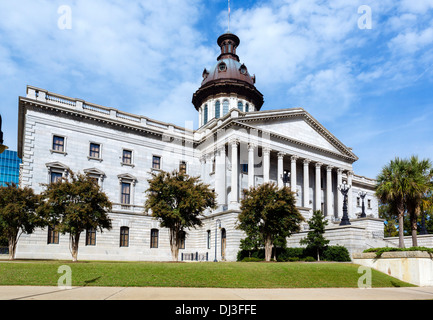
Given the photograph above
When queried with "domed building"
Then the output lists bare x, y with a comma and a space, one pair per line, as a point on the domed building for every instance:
236, 146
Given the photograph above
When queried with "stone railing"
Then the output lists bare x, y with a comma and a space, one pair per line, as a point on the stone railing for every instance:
82, 106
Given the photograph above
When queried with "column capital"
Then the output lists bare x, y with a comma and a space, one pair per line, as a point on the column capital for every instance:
319, 164
251, 146
266, 150
234, 142
329, 168
340, 171
350, 173
281, 154
294, 158
307, 162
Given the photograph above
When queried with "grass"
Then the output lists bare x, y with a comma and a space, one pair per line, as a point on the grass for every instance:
206, 274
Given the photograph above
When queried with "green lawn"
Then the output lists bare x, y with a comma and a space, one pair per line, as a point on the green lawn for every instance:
207, 274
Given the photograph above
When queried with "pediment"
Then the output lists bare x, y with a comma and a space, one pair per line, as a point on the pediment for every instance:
298, 126
127, 176
94, 171
57, 165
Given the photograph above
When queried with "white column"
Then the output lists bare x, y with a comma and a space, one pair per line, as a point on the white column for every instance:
306, 190
234, 186
203, 168
251, 165
339, 195
318, 191
293, 173
266, 164
349, 195
220, 175
280, 169
329, 191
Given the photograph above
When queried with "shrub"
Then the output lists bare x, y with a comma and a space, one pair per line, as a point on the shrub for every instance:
336, 253
379, 251
309, 259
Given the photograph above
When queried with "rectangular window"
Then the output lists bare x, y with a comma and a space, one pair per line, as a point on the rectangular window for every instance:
154, 233
369, 204
125, 193
95, 150
124, 237
91, 237
127, 157
182, 167
53, 236
182, 241
55, 177
208, 239
244, 167
58, 143
156, 162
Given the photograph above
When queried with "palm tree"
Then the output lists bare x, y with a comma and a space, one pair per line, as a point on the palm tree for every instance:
391, 188
420, 174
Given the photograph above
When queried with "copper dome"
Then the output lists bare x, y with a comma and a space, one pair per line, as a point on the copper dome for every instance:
228, 76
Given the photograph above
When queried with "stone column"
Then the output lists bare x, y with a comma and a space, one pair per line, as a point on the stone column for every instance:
220, 175
266, 164
251, 148
203, 168
235, 166
339, 195
349, 195
318, 189
293, 173
306, 189
280, 169
329, 191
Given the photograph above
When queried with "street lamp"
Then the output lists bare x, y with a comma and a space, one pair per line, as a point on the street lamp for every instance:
344, 189
362, 195
285, 177
217, 223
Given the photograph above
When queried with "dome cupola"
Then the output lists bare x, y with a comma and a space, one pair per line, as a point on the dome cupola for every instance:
227, 85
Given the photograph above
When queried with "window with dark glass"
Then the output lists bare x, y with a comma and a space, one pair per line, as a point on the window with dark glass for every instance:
217, 109
125, 197
205, 115
127, 157
91, 237
154, 234
53, 235
240, 106
244, 167
95, 150
182, 166
208, 239
55, 177
156, 162
124, 237
182, 240
58, 143
225, 107
247, 107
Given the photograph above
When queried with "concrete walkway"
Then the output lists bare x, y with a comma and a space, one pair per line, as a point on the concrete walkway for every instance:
149, 293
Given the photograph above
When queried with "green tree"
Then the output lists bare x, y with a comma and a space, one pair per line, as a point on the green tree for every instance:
420, 174
391, 221
315, 240
178, 201
391, 188
17, 214
74, 205
269, 213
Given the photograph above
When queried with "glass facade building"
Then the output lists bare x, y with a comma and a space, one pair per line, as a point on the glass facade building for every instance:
9, 167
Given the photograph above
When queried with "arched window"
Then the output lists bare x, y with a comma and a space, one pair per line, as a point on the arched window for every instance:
240, 106
217, 109
205, 114
225, 107
247, 107
124, 237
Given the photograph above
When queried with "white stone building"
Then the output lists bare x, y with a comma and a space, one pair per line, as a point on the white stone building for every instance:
236, 146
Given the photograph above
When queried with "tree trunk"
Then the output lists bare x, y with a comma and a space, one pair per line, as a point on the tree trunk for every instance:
400, 209
75, 239
268, 248
12, 247
174, 245
414, 227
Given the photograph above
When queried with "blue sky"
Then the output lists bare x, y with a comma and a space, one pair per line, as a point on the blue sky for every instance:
370, 87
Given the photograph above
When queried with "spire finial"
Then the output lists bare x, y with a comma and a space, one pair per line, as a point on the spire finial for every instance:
229, 18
